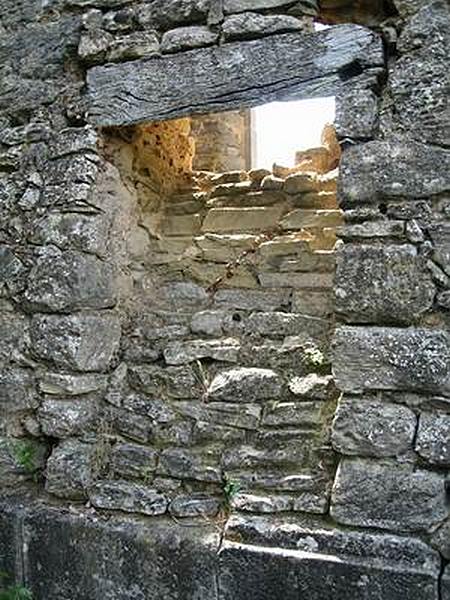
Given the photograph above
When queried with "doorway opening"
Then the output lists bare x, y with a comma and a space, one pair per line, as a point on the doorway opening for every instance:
229, 310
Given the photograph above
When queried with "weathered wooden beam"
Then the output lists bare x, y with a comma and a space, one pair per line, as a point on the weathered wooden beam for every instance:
289, 66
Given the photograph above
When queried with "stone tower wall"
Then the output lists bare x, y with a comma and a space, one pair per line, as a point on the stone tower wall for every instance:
146, 372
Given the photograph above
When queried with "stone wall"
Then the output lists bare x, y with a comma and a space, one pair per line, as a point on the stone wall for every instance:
228, 319
222, 141
158, 346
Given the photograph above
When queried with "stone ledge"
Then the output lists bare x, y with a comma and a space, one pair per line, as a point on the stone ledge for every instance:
156, 558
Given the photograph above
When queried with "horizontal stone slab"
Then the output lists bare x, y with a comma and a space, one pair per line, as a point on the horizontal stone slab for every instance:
279, 324
393, 169
277, 558
230, 414
245, 385
302, 414
109, 558
388, 358
313, 281
128, 497
61, 384
388, 495
304, 218
186, 464
266, 300
265, 573
178, 353
287, 66
399, 565
241, 219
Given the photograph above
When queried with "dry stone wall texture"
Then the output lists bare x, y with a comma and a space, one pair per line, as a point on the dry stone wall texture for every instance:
165, 334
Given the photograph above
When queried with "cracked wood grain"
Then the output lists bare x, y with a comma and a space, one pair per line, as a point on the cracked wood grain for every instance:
242, 74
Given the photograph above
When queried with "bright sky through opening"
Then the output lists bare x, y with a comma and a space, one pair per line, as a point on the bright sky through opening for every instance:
280, 129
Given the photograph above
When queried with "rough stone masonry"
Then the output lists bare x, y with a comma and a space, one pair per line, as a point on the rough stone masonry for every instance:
202, 395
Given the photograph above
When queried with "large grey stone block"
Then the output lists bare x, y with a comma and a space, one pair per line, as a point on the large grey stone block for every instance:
285, 66
388, 495
393, 168
119, 559
69, 281
128, 497
391, 359
433, 438
64, 418
372, 428
441, 539
126, 558
17, 390
13, 331
83, 342
69, 469
69, 231
262, 573
417, 77
392, 563
382, 284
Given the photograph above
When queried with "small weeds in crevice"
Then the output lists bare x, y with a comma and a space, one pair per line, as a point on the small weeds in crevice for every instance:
230, 490
13, 591
24, 453
16, 592
201, 376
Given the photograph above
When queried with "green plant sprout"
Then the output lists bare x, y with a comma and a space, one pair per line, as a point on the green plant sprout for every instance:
230, 490
13, 592
16, 592
24, 453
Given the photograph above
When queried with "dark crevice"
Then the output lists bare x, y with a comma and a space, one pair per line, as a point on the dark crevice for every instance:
351, 70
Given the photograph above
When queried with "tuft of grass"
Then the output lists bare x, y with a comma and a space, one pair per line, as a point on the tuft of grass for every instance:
13, 592
24, 453
16, 592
